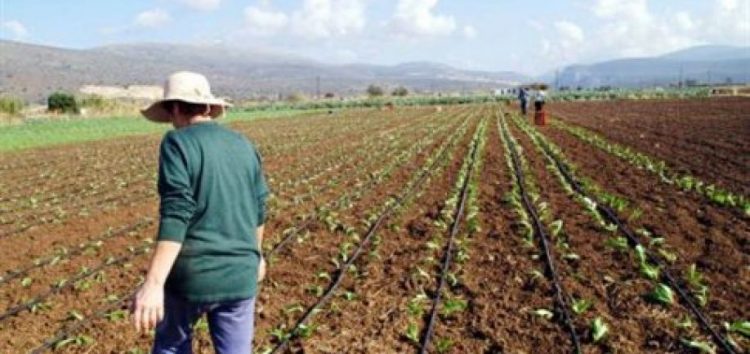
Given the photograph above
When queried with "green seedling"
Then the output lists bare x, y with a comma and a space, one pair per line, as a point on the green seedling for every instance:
350, 296
80, 340
306, 331
293, 308
556, 227
741, 327
74, 315
618, 243
415, 306
443, 345
662, 294
700, 346
315, 290
412, 332
693, 277
39, 307
650, 271
599, 329
280, 334
580, 306
201, 325
117, 315
26, 282
454, 305
543, 313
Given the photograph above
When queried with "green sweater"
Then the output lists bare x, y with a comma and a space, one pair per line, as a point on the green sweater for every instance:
213, 197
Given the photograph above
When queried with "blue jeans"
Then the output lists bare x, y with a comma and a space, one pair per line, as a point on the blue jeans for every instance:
231, 325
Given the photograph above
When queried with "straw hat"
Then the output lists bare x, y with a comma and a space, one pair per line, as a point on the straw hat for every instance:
187, 87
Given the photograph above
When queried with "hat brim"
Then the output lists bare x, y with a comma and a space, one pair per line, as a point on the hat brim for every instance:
157, 113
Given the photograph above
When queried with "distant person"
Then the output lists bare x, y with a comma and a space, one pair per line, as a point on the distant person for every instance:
208, 252
539, 99
523, 97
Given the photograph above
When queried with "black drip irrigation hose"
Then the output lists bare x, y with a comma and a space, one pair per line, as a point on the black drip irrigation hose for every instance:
284, 344
311, 216
448, 255
633, 240
27, 306
17, 273
70, 330
539, 230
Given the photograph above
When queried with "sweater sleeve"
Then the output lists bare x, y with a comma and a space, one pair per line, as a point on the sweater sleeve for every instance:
261, 190
177, 202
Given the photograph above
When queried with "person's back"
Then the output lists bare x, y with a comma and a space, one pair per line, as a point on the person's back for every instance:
207, 258
222, 172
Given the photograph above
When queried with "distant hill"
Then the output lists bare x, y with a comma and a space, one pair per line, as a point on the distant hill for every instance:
702, 64
34, 71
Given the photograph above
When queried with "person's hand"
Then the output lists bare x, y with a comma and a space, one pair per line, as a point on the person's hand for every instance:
148, 307
261, 269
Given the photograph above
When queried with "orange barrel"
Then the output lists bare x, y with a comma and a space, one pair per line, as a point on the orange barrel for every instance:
540, 118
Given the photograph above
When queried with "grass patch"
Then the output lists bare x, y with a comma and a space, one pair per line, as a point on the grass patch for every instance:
48, 132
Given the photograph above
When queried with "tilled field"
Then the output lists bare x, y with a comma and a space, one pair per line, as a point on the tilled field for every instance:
465, 230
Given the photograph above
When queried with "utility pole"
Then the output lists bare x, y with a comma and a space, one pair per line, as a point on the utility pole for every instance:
679, 83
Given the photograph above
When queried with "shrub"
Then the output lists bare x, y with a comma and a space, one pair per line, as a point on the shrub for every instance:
374, 90
400, 92
11, 105
62, 102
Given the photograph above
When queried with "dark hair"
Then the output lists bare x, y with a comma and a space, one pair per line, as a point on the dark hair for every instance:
186, 108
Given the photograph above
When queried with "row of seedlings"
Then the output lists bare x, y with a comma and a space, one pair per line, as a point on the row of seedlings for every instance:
533, 214
328, 213
454, 247
684, 182
354, 246
604, 209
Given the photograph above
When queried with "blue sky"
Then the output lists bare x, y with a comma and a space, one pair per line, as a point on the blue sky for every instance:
526, 36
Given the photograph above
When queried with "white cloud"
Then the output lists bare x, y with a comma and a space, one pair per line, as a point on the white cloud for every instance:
264, 22
16, 29
152, 18
202, 5
470, 32
684, 21
415, 18
328, 18
569, 31
630, 29
729, 23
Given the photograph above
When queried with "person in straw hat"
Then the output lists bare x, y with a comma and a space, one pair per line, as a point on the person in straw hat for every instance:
207, 258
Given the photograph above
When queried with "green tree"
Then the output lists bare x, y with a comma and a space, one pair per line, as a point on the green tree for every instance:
62, 102
400, 92
374, 90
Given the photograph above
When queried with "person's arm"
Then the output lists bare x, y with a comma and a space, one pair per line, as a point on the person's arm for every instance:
261, 194
262, 265
148, 304
177, 207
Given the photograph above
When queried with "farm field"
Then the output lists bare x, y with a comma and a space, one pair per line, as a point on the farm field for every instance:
460, 230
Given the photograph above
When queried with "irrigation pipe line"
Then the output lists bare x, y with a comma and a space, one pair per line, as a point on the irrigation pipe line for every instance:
634, 241
284, 344
448, 253
335, 204
539, 230
17, 273
27, 306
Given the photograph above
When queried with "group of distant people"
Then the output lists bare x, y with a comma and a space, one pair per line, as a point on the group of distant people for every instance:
539, 97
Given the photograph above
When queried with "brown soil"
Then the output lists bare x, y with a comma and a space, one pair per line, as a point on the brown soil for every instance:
303, 158
709, 138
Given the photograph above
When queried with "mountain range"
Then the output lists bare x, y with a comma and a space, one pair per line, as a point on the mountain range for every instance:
34, 71
708, 64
